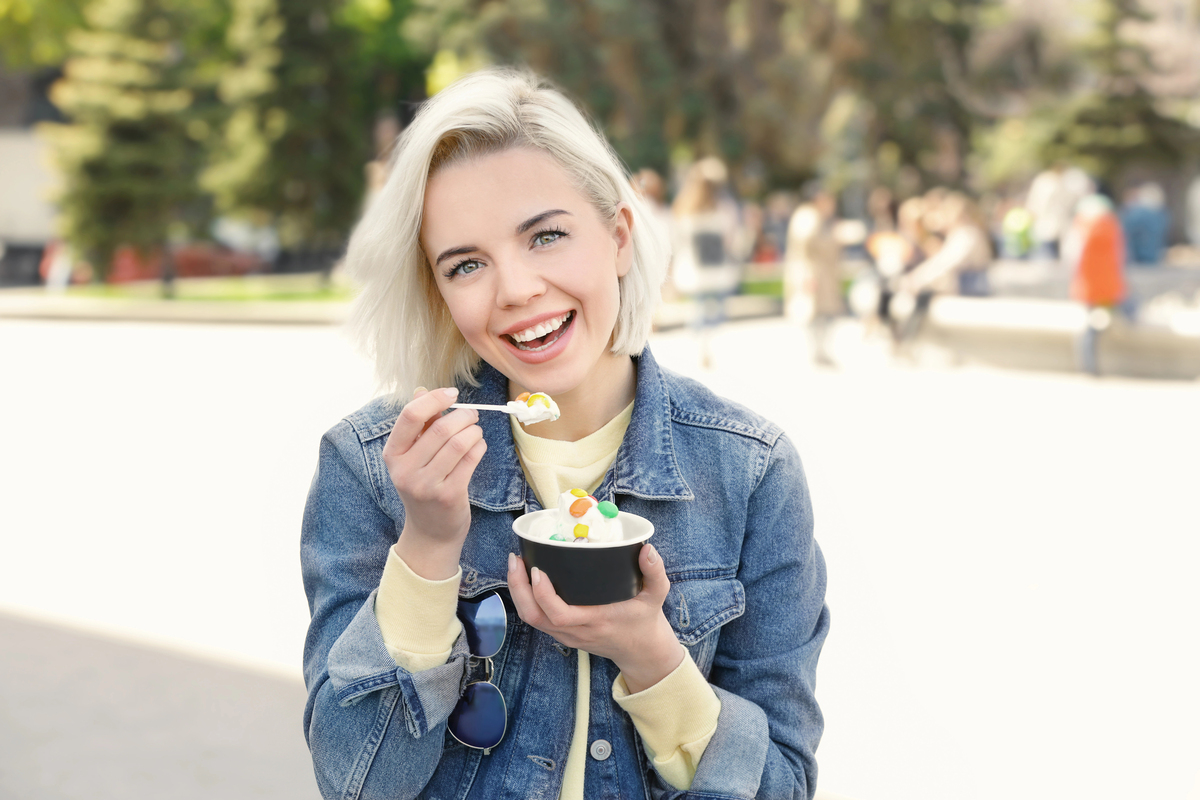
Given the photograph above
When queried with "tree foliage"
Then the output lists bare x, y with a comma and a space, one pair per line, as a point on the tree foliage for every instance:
33, 33
129, 156
748, 80
264, 109
292, 150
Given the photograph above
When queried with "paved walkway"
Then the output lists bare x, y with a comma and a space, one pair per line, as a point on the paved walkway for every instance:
87, 716
1012, 562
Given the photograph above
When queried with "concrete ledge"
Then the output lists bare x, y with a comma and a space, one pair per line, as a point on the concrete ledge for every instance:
42, 305
1042, 334
682, 313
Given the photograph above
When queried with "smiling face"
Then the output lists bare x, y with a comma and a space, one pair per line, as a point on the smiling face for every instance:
528, 269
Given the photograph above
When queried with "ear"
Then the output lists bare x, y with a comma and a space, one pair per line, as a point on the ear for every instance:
623, 237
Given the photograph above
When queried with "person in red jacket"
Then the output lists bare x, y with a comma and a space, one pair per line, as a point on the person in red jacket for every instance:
1099, 278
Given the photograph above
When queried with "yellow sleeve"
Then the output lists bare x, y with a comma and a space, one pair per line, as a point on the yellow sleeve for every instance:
676, 718
417, 616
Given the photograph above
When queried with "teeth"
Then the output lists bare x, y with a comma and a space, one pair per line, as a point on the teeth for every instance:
541, 329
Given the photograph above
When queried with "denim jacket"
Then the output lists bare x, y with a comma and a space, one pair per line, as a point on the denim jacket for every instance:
733, 524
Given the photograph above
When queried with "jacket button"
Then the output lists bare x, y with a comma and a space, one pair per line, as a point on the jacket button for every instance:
601, 749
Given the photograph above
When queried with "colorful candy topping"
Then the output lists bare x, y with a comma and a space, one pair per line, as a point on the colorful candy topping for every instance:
536, 407
582, 519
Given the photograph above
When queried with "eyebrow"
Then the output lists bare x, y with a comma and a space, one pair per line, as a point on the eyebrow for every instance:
542, 217
522, 228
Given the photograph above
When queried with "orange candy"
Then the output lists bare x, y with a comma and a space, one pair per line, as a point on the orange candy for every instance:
522, 397
581, 506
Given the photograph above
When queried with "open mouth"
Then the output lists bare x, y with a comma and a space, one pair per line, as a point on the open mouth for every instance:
542, 335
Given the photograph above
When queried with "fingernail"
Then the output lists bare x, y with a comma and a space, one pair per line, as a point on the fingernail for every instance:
512, 562
652, 557
452, 392
537, 576
419, 390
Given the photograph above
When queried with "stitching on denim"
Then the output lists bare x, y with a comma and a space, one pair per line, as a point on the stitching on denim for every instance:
765, 461
543, 762
414, 709
765, 436
365, 685
525, 633
358, 773
373, 472
735, 609
702, 574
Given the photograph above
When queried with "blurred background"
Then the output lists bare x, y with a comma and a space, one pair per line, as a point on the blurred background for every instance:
952, 247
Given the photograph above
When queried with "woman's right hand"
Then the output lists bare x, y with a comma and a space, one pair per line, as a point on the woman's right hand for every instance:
430, 457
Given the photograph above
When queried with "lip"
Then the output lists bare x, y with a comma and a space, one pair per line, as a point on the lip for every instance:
542, 356
529, 323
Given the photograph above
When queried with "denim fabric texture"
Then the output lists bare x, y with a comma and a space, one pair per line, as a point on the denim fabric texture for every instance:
733, 523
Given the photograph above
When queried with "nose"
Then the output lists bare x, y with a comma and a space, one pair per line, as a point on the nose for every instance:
517, 282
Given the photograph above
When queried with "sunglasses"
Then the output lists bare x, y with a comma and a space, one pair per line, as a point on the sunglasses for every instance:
480, 718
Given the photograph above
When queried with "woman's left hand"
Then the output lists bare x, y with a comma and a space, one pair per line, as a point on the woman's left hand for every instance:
634, 634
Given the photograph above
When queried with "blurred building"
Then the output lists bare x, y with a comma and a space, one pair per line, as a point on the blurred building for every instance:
26, 178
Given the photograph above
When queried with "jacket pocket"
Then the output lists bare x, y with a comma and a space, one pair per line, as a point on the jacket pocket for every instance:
698, 608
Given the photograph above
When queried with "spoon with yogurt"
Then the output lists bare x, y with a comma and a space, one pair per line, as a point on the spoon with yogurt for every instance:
527, 408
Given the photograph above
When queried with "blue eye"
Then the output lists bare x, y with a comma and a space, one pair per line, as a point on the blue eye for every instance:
543, 238
464, 267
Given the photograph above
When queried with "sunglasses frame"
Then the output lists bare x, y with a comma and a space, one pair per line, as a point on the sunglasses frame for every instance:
468, 694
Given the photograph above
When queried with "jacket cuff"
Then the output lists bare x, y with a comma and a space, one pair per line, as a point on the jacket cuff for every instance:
736, 755
676, 718
416, 616
359, 664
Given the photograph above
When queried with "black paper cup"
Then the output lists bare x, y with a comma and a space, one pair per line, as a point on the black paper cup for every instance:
592, 574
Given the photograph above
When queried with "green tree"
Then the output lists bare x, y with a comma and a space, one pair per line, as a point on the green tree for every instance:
292, 152
33, 33
748, 80
129, 155
1115, 120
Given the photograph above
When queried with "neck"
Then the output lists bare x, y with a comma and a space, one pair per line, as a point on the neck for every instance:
589, 407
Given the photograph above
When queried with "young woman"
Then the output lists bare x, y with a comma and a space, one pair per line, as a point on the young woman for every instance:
507, 253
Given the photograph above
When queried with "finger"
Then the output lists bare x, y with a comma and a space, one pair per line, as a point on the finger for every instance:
460, 476
555, 609
415, 417
450, 451
655, 583
522, 593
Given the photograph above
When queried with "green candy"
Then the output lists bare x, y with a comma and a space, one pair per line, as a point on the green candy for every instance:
608, 509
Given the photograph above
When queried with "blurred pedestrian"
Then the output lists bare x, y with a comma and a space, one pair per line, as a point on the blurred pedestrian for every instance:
1098, 280
706, 265
959, 267
894, 250
1051, 200
1016, 232
1144, 221
812, 272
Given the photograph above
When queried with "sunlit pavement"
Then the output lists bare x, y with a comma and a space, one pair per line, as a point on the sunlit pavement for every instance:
1012, 560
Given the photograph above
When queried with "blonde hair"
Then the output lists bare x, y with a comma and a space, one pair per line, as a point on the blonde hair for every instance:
399, 318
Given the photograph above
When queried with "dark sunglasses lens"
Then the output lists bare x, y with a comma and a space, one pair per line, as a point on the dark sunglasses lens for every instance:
484, 622
480, 717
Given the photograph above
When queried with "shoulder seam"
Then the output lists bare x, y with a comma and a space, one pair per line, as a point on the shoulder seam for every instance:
766, 436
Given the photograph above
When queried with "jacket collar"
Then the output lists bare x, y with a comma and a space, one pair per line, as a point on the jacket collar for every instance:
645, 466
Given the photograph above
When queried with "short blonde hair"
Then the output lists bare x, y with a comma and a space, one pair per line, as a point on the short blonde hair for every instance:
399, 318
